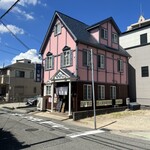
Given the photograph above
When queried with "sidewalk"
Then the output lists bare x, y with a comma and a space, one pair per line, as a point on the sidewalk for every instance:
135, 124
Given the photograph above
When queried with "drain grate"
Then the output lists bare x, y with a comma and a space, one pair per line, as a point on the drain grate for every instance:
31, 129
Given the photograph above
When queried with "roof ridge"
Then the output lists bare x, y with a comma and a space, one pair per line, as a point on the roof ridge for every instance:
71, 17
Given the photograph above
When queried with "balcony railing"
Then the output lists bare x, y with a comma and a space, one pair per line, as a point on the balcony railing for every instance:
4, 79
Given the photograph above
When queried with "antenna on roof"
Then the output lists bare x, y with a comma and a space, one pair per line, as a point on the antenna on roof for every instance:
141, 9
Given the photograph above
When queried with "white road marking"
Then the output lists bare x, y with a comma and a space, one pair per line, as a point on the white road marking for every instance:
78, 134
40, 121
54, 125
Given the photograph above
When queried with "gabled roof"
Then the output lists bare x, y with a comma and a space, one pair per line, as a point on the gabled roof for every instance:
79, 31
63, 74
110, 19
76, 28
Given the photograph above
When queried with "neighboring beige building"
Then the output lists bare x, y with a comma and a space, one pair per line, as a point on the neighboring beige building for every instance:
136, 41
17, 81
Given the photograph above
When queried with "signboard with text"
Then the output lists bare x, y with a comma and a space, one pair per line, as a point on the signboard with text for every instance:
38, 72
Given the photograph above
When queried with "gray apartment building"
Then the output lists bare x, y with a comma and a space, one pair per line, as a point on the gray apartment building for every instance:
18, 81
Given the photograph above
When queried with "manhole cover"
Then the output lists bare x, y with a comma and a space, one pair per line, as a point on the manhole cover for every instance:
31, 129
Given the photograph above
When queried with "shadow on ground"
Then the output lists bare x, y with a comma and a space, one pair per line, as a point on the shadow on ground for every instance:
9, 142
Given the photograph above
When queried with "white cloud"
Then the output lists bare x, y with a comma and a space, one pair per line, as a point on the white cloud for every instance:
29, 2
13, 28
6, 4
31, 54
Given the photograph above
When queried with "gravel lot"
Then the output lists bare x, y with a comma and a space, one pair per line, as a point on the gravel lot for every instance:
138, 120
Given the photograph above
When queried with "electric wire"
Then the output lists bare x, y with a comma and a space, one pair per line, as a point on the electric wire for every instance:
10, 47
26, 33
9, 9
14, 35
1, 50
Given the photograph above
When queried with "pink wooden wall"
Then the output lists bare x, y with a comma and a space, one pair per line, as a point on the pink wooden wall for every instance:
107, 75
55, 46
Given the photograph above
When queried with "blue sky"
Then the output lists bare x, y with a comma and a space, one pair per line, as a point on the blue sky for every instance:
29, 21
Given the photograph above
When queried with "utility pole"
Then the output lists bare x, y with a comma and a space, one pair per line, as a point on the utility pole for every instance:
93, 89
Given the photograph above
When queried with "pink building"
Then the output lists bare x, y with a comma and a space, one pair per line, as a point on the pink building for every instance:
67, 71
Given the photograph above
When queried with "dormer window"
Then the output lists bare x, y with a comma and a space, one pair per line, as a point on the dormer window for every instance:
104, 33
66, 57
57, 28
49, 62
114, 38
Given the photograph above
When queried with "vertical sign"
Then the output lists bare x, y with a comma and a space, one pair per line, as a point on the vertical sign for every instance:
38, 72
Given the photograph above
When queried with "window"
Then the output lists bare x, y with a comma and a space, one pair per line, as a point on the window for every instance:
66, 58
31, 74
49, 62
104, 33
101, 91
87, 92
145, 71
34, 90
101, 61
143, 38
120, 65
113, 92
20, 74
48, 90
86, 57
114, 38
57, 28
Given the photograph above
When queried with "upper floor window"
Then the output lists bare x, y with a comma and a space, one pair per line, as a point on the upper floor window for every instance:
143, 38
20, 74
144, 71
31, 74
87, 92
114, 38
86, 57
49, 64
101, 91
120, 65
66, 57
101, 61
104, 33
112, 92
57, 28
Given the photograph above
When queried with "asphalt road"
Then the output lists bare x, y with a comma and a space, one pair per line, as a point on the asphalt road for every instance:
24, 131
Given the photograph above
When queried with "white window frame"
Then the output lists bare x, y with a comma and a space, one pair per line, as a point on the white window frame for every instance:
66, 58
57, 28
102, 61
120, 65
48, 89
49, 62
112, 92
101, 91
88, 89
88, 58
114, 38
105, 35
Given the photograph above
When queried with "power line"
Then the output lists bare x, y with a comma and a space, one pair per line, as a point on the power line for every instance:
8, 52
10, 47
27, 34
14, 35
9, 29
9, 9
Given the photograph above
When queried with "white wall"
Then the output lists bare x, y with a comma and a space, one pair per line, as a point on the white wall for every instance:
133, 38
